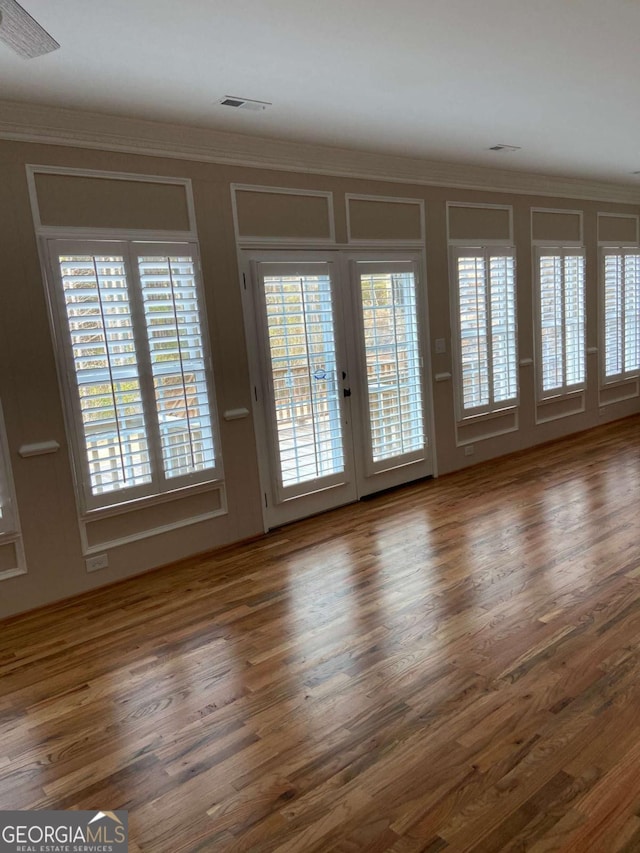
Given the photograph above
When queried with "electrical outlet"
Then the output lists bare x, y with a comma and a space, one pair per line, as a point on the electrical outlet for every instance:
94, 564
469, 450
441, 346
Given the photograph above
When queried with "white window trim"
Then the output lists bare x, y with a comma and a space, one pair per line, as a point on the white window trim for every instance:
358, 267
626, 375
465, 242
563, 249
245, 240
614, 242
395, 242
9, 520
10, 531
73, 242
487, 248
64, 232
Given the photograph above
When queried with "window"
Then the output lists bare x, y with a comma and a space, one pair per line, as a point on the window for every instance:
486, 325
561, 321
620, 314
135, 364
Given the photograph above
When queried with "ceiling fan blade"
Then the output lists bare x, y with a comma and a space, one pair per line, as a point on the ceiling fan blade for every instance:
22, 32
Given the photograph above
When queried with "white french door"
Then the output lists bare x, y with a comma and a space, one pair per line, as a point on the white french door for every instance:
387, 353
337, 350
304, 415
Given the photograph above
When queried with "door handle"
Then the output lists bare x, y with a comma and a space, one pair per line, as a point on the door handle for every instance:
346, 392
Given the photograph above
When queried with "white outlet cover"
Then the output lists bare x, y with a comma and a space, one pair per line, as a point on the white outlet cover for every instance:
94, 564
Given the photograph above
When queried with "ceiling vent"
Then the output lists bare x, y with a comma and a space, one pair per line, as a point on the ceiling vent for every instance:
504, 148
23, 33
244, 103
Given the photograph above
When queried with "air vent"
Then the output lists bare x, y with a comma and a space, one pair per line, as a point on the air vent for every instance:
243, 103
504, 148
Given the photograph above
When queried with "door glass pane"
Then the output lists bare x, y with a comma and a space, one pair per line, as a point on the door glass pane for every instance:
304, 374
394, 381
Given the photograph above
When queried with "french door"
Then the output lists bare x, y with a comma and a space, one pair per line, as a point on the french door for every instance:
340, 396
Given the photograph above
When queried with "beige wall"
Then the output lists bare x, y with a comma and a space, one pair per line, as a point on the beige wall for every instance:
29, 387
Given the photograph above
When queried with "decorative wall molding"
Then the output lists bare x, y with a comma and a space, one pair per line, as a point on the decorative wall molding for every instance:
75, 128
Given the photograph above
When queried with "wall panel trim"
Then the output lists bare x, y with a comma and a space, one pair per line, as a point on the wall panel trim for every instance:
79, 129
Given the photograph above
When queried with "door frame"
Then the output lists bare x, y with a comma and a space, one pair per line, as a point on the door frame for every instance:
393, 474
342, 255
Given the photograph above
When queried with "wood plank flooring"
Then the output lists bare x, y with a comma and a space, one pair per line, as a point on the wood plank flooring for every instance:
454, 666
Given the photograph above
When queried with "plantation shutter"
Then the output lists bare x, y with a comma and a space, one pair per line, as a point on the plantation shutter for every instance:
503, 328
303, 374
136, 367
561, 309
486, 314
621, 312
179, 362
574, 320
104, 364
388, 294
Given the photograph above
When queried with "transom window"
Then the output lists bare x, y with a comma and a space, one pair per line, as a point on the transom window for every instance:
561, 347
485, 318
136, 367
620, 314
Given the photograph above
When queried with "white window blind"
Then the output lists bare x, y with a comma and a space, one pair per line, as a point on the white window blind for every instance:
620, 315
486, 324
561, 321
304, 381
178, 363
131, 328
389, 300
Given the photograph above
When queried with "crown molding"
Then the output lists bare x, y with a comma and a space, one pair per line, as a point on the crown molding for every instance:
57, 126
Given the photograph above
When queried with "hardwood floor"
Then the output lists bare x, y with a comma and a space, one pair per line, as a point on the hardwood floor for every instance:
450, 667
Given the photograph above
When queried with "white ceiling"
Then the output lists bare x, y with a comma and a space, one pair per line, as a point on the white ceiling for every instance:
439, 79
